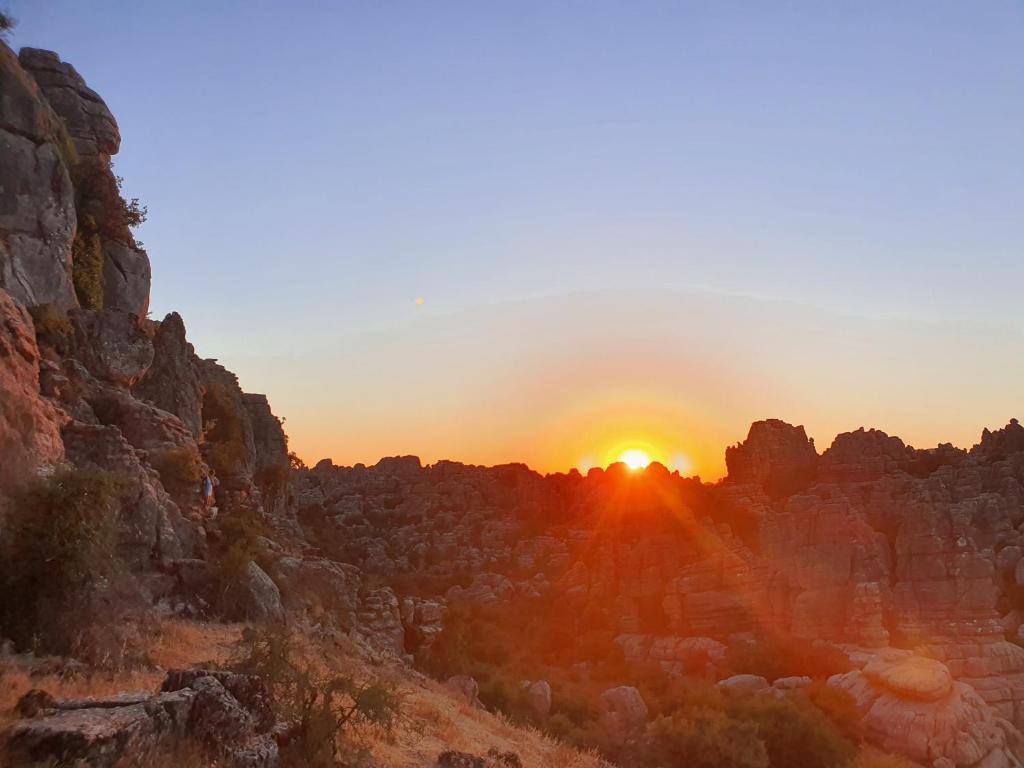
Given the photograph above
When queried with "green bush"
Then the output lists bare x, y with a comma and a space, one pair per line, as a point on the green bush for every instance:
322, 702
180, 471
87, 265
7, 23
272, 480
53, 328
59, 561
773, 658
223, 430
794, 732
701, 738
238, 533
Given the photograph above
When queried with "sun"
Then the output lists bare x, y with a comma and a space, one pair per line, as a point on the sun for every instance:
635, 458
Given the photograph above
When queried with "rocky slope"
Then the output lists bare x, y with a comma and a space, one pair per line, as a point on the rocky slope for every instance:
909, 563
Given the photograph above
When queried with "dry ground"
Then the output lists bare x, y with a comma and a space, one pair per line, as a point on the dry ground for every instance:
433, 719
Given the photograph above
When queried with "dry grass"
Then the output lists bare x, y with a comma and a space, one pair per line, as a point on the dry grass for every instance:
433, 719
178, 644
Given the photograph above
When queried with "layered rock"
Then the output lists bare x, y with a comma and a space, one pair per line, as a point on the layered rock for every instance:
227, 713
37, 200
126, 272
912, 706
777, 456
29, 424
172, 381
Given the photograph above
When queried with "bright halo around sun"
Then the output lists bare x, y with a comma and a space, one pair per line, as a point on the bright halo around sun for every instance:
635, 458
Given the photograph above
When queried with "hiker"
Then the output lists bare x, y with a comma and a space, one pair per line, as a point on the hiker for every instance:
206, 490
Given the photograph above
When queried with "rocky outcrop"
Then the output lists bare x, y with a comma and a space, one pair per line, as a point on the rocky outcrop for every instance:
29, 424
864, 455
91, 125
911, 705
227, 713
171, 382
125, 273
777, 456
112, 346
37, 200
623, 713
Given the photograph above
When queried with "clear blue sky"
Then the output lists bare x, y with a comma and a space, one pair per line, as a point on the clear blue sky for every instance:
313, 167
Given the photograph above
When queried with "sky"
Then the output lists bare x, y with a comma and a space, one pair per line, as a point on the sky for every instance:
630, 224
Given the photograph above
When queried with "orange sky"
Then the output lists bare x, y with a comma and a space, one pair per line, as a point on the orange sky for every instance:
572, 381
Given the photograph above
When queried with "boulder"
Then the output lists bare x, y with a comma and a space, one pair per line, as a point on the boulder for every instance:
743, 685
538, 698
466, 688
256, 596
112, 345
623, 713
910, 706
229, 714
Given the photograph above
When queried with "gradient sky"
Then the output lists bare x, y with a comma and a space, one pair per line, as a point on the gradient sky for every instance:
646, 222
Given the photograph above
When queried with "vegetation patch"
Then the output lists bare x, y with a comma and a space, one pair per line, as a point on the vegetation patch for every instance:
59, 569
326, 705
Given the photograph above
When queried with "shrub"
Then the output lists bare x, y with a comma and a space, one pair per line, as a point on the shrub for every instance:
7, 23
272, 481
59, 562
223, 430
52, 326
239, 532
794, 732
323, 704
180, 470
702, 738
773, 658
87, 266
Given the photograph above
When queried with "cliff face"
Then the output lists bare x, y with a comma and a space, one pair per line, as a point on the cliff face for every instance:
86, 382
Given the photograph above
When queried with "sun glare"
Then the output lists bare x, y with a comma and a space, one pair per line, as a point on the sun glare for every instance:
635, 458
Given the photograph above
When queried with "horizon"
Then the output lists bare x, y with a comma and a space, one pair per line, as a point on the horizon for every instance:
535, 234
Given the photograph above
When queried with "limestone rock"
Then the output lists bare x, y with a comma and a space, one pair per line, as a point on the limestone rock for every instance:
257, 596
171, 382
29, 425
37, 208
112, 345
743, 685
86, 116
380, 621
777, 456
538, 698
623, 713
909, 705
864, 455
467, 689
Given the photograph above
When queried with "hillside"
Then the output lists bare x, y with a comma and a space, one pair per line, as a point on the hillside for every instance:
862, 605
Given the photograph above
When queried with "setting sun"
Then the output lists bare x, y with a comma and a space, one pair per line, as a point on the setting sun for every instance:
635, 458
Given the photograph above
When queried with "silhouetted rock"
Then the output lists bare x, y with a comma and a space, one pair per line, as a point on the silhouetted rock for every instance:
777, 456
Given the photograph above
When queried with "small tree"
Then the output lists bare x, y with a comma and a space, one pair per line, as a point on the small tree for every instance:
59, 563
323, 704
